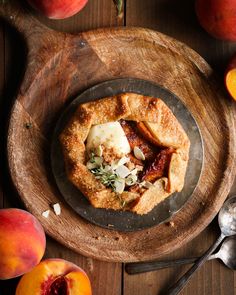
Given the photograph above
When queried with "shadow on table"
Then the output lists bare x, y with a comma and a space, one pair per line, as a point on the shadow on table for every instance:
11, 73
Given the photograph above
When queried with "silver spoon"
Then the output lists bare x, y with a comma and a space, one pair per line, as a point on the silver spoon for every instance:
227, 223
227, 254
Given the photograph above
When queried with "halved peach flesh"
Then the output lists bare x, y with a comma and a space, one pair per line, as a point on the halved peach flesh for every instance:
230, 81
55, 277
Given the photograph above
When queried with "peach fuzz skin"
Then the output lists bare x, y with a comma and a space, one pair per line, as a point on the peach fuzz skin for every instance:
218, 17
55, 277
58, 9
22, 242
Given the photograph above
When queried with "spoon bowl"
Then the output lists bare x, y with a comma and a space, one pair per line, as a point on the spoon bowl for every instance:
227, 223
227, 252
227, 217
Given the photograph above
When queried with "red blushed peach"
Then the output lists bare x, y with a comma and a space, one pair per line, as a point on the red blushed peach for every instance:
55, 276
58, 9
218, 17
22, 242
230, 77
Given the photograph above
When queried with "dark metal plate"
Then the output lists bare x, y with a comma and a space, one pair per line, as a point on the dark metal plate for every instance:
127, 221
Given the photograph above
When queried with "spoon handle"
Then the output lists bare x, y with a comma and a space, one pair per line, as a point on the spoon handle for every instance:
180, 284
141, 267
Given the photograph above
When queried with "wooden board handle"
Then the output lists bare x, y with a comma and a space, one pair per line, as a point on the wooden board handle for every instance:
18, 15
42, 42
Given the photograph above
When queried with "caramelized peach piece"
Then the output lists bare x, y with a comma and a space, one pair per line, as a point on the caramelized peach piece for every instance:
136, 139
55, 277
158, 167
146, 133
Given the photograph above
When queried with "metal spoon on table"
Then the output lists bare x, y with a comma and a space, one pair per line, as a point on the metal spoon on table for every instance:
227, 254
227, 223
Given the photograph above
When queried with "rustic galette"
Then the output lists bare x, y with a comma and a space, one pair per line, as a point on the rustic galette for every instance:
126, 152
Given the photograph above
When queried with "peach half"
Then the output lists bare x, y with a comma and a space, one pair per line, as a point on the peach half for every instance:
22, 242
55, 277
230, 77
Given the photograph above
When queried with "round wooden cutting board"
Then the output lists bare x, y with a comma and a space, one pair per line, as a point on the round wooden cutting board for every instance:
59, 67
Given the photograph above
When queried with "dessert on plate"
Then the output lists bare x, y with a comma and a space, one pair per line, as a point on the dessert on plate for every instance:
126, 152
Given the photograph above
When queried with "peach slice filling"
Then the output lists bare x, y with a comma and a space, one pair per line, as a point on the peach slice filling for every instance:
157, 160
159, 167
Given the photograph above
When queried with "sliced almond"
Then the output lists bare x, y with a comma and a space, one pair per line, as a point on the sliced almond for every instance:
119, 186
114, 165
108, 168
122, 171
57, 208
139, 167
46, 213
98, 160
138, 153
99, 151
146, 184
123, 161
134, 171
91, 166
131, 180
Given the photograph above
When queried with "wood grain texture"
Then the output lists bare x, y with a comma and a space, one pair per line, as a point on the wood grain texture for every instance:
11, 62
180, 21
85, 61
176, 20
213, 278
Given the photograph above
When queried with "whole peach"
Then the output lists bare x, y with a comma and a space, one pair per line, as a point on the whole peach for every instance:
22, 242
55, 276
218, 17
58, 9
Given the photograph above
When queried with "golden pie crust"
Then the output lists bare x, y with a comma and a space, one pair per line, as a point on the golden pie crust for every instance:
165, 130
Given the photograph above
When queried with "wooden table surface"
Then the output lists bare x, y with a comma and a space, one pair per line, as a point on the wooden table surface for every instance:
176, 19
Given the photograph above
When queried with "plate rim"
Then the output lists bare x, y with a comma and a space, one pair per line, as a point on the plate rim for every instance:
75, 102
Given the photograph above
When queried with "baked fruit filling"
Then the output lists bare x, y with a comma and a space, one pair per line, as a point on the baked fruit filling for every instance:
124, 157
126, 152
